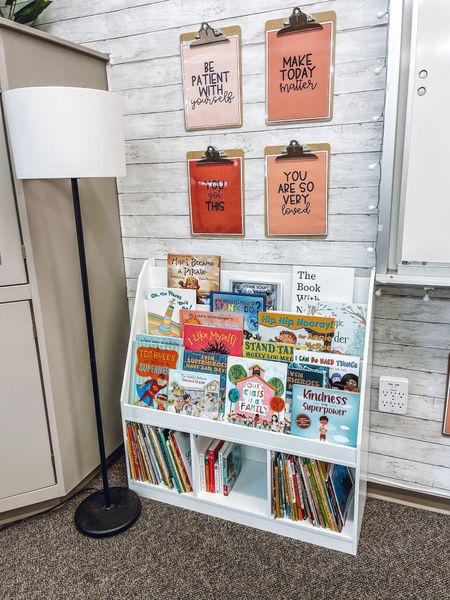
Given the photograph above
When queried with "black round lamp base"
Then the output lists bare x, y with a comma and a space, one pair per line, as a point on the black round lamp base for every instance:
92, 518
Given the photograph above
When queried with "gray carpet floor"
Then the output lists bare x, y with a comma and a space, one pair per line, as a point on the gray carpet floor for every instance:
170, 553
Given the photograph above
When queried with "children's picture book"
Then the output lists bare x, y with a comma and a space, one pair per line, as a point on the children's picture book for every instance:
325, 415
162, 308
208, 362
198, 273
343, 370
194, 394
256, 393
243, 282
152, 359
220, 340
206, 317
248, 305
350, 327
268, 350
302, 375
271, 290
306, 332
343, 487
231, 467
321, 284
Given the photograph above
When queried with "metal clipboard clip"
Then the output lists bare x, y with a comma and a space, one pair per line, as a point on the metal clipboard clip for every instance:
208, 35
299, 21
212, 155
295, 150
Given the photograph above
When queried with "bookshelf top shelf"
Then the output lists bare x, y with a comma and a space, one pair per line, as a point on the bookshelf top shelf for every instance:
259, 438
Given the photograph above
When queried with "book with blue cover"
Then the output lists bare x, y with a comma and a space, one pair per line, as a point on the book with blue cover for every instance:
152, 359
325, 415
248, 305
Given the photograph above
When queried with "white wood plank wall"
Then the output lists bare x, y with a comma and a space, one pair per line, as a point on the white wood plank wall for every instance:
411, 337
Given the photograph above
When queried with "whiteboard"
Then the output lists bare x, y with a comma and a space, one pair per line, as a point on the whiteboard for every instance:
425, 196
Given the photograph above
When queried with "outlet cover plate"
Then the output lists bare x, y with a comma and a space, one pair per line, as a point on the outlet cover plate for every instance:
393, 396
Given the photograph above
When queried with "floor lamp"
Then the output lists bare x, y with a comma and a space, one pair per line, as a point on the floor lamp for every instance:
69, 132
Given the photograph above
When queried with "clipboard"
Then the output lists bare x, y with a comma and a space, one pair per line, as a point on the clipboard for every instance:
296, 190
211, 66
300, 54
216, 192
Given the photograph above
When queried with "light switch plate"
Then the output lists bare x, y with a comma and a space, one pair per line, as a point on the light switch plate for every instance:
393, 395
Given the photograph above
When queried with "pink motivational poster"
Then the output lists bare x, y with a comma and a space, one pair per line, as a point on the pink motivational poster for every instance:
299, 71
297, 192
212, 81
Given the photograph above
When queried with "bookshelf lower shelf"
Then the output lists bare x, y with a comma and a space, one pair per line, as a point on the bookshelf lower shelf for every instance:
249, 493
268, 440
302, 531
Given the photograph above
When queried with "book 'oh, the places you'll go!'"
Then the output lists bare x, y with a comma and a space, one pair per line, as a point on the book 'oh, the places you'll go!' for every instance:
162, 309
198, 273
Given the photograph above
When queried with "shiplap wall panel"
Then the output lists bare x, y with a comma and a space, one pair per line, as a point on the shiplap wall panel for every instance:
341, 201
410, 337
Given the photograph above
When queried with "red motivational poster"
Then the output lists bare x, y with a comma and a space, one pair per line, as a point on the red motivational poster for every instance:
299, 70
297, 192
215, 192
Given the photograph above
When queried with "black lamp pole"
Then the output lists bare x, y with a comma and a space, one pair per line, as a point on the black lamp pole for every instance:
112, 510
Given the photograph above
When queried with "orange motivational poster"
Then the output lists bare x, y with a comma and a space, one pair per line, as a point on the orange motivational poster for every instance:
300, 67
215, 192
297, 190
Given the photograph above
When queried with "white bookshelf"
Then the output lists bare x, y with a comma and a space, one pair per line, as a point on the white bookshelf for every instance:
249, 502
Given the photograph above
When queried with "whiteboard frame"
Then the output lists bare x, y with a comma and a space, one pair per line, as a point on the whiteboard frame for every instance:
400, 70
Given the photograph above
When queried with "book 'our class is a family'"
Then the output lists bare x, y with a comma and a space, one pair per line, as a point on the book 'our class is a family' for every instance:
255, 393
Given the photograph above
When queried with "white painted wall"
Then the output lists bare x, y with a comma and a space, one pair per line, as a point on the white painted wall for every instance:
411, 337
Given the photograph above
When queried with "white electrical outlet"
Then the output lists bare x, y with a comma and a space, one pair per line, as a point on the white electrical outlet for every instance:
393, 396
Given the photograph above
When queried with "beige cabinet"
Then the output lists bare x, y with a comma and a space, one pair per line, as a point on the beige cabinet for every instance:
48, 441
12, 266
25, 448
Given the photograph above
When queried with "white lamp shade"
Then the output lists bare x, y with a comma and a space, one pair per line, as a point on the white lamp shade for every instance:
65, 132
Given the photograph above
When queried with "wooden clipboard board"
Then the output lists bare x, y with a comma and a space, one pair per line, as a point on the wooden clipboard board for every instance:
300, 56
211, 64
296, 190
216, 179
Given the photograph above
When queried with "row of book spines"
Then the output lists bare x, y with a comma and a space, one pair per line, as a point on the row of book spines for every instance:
214, 476
155, 458
302, 491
